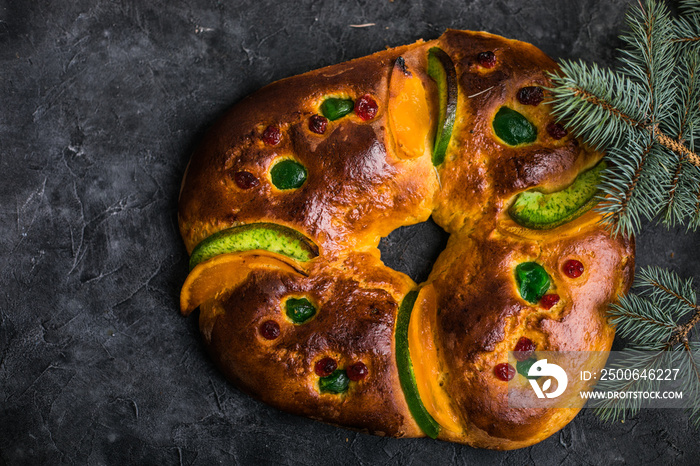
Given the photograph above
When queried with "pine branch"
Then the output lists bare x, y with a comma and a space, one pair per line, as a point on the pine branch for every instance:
690, 367
583, 98
646, 115
681, 333
658, 321
689, 7
611, 409
626, 184
687, 98
695, 216
684, 123
647, 59
635, 316
600, 105
677, 146
653, 315
667, 289
692, 350
680, 201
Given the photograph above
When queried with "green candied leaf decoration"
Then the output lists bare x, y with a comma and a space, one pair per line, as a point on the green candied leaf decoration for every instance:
533, 281
334, 108
336, 383
407, 376
540, 211
288, 174
299, 310
523, 367
268, 236
513, 128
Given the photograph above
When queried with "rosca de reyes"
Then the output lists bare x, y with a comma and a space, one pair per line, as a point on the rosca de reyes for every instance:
285, 200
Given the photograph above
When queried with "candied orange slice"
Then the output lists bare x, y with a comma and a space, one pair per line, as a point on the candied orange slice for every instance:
426, 362
222, 273
409, 113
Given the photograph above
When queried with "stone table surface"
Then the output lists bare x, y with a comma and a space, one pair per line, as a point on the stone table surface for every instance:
101, 103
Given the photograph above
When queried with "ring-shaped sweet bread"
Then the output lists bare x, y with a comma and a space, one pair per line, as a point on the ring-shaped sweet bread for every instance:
284, 203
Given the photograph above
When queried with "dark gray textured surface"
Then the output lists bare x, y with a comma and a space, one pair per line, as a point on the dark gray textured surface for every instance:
101, 103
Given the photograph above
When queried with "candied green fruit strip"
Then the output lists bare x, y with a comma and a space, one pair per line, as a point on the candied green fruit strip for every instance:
442, 70
540, 211
268, 236
334, 108
533, 281
288, 174
513, 128
336, 383
407, 376
299, 310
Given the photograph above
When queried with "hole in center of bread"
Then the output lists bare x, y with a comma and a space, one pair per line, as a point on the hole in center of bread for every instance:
414, 249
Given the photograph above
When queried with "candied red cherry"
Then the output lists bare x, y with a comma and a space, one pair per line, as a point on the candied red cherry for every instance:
524, 349
325, 367
366, 107
573, 268
530, 95
245, 180
318, 124
504, 371
556, 130
548, 301
272, 135
357, 371
487, 59
270, 330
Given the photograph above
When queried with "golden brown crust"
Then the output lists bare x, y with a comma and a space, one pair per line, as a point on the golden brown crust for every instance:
482, 317
355, 322
360, 187
481, 170
347, 166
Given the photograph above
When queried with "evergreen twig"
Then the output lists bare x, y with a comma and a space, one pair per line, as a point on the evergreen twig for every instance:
658, 322
646, 115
